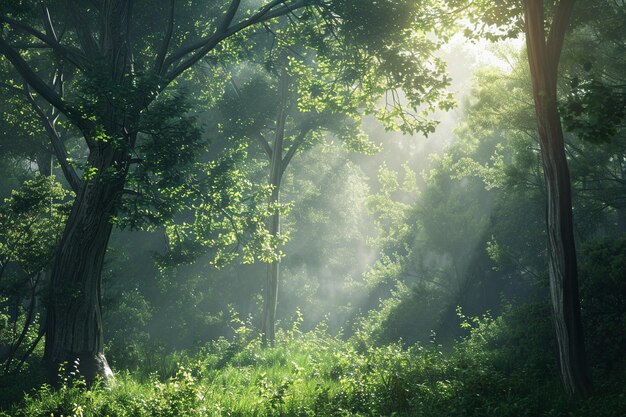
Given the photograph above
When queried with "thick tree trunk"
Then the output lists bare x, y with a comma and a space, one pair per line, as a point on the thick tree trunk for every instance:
73, 323
543, 60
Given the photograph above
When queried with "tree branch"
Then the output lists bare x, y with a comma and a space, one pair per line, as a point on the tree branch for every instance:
557, 34
158, 64
201, 42
276, 170
259, 137
264, 144
47, 22
128, 191
57, 144
41, 87
229, 16
87, 42
30, 350
72, 55
294, 148
204, 46
27, 323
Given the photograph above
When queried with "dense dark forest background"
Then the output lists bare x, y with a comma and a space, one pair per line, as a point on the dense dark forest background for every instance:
312, 208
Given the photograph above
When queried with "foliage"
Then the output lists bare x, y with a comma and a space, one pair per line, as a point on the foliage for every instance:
31, 221
227, 213
475, 232
603, 298
500, 369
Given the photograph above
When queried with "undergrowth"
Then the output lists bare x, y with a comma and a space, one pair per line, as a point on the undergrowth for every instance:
493, 372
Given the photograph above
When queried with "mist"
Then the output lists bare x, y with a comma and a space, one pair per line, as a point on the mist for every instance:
312, 208
332, 242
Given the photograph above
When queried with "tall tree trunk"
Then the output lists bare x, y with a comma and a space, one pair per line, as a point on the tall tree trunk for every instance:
543, 58
273, 273
74, 323
276, 173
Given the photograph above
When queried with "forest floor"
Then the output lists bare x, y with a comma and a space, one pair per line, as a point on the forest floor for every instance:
315, 374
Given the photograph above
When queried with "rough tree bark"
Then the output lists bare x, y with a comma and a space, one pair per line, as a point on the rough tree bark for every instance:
543, 58
74, 325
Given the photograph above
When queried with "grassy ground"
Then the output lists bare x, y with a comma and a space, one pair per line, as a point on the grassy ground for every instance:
314, 374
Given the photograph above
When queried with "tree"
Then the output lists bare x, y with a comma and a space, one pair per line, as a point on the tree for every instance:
325, 76
507, 19
281, 89
543, 59
34, 126
293, 130
307, 110
123, 60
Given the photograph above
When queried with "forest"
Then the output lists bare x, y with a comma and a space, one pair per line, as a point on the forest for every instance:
312, 208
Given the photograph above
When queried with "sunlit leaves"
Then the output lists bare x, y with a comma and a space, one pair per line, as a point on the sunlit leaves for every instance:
392, 208
31, 221
225, 217
387, 60
493, 20
164, 171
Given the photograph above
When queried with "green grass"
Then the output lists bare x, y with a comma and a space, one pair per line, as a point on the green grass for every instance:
494, 372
